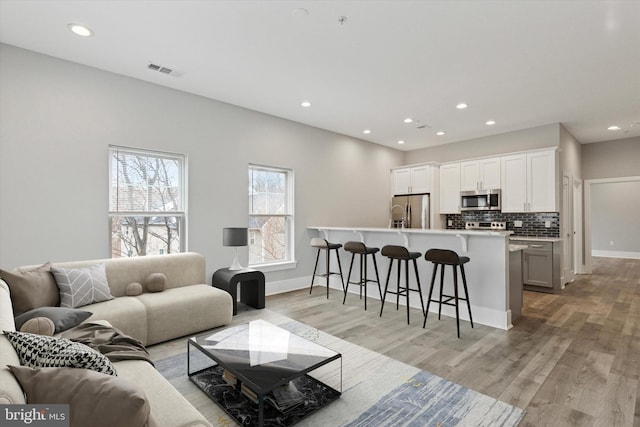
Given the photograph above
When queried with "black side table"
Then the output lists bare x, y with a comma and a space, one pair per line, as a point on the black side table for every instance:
251, 286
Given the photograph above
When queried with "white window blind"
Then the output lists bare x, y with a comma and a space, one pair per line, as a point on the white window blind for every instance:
270, 215
147, 201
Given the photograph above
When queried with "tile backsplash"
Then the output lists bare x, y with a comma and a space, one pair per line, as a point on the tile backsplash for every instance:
533, 224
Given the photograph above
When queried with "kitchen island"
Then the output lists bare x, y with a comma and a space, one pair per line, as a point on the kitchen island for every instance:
487, 272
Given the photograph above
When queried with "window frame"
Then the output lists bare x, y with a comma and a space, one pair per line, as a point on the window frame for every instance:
289, 218
180, 213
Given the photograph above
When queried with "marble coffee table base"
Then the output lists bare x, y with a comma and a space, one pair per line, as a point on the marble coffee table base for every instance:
245, 412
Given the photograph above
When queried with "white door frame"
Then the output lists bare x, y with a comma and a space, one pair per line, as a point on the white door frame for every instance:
566, 229
578, 214
587, 215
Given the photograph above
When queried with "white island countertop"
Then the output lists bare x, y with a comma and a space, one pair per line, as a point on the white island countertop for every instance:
487, 272
536, 239
417, 230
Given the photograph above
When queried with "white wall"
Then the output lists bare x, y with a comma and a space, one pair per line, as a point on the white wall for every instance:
58, 119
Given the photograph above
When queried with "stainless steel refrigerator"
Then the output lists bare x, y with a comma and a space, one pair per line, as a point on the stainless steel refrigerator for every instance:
410, 211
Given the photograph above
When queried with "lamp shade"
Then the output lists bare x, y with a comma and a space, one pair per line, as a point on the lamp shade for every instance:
235, 236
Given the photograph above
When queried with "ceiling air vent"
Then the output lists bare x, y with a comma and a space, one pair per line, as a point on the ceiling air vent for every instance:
163, 69
421, 125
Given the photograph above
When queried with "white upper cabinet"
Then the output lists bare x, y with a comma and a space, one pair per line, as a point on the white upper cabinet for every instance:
514, 183
529, 182
417, 179
469, 175
401, 181
481, 174
541, 181
450, 188
421, 179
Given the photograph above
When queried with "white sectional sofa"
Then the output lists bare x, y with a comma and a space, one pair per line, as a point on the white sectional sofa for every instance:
186, 306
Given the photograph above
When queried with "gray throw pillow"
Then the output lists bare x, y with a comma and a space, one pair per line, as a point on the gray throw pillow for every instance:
82, 286
40, 351
94, 399
63, 318
31, 289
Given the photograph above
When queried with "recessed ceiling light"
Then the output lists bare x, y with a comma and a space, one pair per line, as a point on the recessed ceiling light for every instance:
300, 12
461, 106
80, 30
490, 122
408, 120
401, 142
366, 131
440, 133
306, 104
613, 127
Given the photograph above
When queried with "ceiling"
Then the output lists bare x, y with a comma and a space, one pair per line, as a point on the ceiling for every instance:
368, 64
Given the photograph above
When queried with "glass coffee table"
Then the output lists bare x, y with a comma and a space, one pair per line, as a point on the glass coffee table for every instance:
264, 375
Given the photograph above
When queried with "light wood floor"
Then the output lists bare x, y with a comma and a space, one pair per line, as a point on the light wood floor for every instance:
572, 359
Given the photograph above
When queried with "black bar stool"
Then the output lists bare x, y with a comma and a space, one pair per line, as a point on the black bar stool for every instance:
442, 258
362, 250
322, 244
400, 253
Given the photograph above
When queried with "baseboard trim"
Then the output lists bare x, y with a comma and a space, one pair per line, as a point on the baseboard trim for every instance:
481, 315
615, 254
282, 286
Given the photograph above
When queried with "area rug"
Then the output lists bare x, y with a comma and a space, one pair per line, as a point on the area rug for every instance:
377, 391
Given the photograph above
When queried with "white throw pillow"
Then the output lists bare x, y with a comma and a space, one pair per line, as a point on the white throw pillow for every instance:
82, 286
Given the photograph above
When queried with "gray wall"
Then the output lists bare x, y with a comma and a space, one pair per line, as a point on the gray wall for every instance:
614, 205
570, 154
615, 217
611, 159
494, 145
553, 135
58, 119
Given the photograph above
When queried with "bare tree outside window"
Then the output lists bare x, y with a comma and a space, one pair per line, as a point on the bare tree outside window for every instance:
146, 204
270, 215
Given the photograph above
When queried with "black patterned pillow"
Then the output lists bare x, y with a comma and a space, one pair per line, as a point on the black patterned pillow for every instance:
82, 286
40, 351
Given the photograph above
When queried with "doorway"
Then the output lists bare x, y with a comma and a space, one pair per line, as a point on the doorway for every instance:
615, 220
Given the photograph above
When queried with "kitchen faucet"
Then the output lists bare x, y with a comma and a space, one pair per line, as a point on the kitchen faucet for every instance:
404, 218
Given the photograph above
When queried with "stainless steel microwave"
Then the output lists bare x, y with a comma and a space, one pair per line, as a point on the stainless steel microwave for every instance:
481, 200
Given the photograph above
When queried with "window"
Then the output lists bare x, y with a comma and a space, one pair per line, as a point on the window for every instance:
147, 202
270, 215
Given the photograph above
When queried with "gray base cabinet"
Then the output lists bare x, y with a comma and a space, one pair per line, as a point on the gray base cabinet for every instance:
515, 284
541, 266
